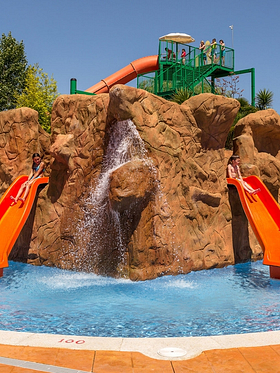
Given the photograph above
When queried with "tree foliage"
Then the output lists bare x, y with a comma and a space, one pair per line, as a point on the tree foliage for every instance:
147, 85
13, 66
264, 99
206, 87
228, 87
39, 94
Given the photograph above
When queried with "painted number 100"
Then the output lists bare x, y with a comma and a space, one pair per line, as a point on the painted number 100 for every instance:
78, 342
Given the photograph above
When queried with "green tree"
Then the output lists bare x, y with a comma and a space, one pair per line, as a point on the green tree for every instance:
264, 99
39, 94
206, 87
148, 85
13, 65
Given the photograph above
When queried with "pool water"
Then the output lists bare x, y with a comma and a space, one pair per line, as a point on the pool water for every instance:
235, 299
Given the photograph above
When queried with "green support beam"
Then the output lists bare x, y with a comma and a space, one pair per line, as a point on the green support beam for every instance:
73, 86
253, 84
74, 90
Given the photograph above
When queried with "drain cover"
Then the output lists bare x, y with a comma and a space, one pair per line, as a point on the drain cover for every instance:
172, 352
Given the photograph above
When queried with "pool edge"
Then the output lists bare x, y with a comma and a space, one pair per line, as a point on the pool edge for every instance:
193, 346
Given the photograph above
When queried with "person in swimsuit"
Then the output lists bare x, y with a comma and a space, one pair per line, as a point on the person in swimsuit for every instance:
183, 56
170, 54
37, 171
223, 51
213, 50
202, 49
233, 172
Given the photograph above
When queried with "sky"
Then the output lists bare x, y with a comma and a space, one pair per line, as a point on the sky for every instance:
91, 39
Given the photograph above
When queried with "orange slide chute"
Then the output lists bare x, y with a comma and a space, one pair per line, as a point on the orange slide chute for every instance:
125, 75
13, 216
263, 213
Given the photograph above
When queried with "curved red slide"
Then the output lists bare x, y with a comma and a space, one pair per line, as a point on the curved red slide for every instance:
13, 216
125, 75
263, 213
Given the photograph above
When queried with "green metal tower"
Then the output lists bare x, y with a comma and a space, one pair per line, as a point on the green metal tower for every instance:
196, 72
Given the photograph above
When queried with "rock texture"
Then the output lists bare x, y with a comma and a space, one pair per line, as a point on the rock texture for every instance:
78, 130
257, 140
20, 137
137, 184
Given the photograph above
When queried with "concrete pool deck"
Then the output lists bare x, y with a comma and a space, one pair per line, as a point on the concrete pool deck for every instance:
22, 352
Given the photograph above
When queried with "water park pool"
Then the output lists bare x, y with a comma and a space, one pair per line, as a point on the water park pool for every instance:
235, 299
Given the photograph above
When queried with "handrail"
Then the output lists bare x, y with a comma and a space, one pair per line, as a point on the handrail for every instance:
189, 71
195, 55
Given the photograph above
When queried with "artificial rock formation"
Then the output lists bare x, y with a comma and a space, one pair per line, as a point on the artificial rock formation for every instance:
257, 142
20, 137
257, 139
137, 184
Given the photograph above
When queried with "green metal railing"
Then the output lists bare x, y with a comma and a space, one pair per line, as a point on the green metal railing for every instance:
170, 53
188, 72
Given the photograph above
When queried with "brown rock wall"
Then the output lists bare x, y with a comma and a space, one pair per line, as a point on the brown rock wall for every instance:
137, 183
78, 128
20, 137
257, 141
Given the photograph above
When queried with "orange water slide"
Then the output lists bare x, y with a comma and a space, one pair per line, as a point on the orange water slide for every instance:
125, 75
13, 216
263, 213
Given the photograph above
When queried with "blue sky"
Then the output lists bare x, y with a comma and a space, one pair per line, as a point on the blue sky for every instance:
91, 39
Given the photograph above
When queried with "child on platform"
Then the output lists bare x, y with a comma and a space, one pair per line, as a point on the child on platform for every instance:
233, 171
36, 171
183, 56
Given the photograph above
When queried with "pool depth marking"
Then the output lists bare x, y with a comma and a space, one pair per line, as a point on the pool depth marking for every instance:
78, 342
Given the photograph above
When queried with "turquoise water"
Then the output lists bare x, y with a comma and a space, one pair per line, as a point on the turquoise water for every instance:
236, 299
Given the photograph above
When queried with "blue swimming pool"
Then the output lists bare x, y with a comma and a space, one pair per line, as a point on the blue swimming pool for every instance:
236, 299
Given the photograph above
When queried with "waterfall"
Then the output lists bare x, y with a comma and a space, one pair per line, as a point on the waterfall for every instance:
101, 222
124, 145
101, 239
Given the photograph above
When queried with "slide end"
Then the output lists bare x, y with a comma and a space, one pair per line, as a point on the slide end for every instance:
274, 272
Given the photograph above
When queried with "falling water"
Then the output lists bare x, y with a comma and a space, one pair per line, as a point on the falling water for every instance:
124, 145
100, 220
102, 234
